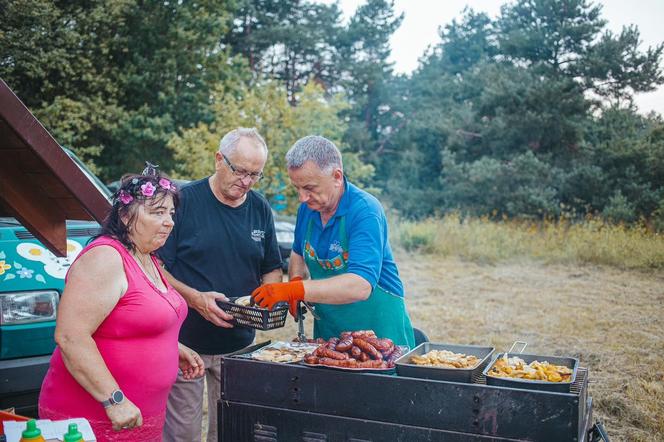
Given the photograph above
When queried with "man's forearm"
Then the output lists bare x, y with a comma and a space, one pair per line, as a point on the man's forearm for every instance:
189, 294
275, 275
341, 289
296, 266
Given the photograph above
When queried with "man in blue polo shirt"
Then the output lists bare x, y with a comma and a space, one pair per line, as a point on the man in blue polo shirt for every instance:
341, 241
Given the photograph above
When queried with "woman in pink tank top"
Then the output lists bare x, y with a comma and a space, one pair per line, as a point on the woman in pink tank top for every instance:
118, 322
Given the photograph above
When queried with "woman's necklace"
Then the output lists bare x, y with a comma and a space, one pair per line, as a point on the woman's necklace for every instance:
149, 270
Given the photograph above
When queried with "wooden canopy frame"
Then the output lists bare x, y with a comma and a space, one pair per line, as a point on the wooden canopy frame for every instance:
40, 185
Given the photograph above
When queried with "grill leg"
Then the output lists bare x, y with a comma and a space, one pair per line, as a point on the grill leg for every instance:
598, 433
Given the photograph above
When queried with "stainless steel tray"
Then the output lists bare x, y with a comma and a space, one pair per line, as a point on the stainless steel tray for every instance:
562, 387
405, 368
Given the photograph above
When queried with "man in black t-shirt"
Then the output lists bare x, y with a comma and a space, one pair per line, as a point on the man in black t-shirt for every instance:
223, 246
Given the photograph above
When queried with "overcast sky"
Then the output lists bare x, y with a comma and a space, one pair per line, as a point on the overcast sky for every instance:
423, 17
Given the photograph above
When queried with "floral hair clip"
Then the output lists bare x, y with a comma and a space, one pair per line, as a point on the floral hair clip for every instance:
145, 186
166, 184
125, 197
147, 189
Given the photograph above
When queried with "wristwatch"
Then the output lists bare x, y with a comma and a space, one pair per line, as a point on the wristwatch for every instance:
117, 397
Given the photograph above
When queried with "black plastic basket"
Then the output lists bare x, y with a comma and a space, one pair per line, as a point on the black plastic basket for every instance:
255, 317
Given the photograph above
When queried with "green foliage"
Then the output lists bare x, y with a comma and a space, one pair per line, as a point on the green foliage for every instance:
266, 107
591, 241
503, 118
619, 209
417, 237
288, 40
520, 187
658, 217
525, 115
115, 80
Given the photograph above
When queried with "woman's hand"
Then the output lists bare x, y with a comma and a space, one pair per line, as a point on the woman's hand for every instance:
124, 416
190, 362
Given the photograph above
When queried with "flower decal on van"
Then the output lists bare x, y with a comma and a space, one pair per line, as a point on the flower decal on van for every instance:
4, 267
25, 273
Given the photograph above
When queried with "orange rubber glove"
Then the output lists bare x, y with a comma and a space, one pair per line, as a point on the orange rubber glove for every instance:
269, 294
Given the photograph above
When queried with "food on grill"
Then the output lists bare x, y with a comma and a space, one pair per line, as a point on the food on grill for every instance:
397, 352
282, 352
369, 349
381, 345
345, 343
445, 359
244, 301
516, 367
358, 349
325, 352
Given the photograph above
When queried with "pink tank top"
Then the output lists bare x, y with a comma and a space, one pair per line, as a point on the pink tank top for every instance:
139, 343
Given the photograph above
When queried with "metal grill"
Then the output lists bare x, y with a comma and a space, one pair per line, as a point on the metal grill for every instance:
303, 400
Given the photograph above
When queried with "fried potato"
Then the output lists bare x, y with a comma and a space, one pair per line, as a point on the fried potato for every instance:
516, 367
445, 359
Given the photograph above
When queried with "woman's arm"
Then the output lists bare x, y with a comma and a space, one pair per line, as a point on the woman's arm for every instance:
95, 283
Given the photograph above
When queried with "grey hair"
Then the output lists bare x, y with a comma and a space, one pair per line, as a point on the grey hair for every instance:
229, 142
319, 150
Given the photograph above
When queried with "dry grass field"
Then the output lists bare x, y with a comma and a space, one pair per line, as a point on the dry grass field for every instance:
611, 319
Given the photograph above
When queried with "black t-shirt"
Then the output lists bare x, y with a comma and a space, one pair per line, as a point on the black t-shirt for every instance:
226, 249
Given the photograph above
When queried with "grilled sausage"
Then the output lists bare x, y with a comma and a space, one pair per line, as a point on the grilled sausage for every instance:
368, 349
333, 354
345, 343
380, 344
372, 364
355, 351
332, 344
347, 363
388, 352
396, 354
310, 359
364, 334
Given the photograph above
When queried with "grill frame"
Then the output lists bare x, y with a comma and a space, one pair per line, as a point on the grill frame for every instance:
475, 409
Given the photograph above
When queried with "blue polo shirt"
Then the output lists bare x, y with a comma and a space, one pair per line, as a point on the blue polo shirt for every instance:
369, 254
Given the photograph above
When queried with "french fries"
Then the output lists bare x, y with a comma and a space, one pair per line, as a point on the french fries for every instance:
516, 367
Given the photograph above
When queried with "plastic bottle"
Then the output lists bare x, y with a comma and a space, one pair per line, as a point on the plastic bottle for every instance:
31, 433
73, 435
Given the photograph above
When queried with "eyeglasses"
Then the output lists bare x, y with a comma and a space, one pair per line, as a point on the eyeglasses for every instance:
242, 174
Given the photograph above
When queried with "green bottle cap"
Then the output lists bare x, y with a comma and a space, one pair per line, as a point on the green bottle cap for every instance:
31, 431
73, 435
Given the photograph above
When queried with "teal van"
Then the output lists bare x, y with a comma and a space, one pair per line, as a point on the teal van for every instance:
31, 282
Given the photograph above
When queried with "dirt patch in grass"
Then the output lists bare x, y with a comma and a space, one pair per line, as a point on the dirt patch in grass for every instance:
611, 319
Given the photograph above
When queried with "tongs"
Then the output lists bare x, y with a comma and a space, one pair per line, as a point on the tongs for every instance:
303, 306
524, 345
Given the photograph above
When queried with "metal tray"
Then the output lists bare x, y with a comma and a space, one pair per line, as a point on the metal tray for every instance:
562, 387
293, 352
405, 368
